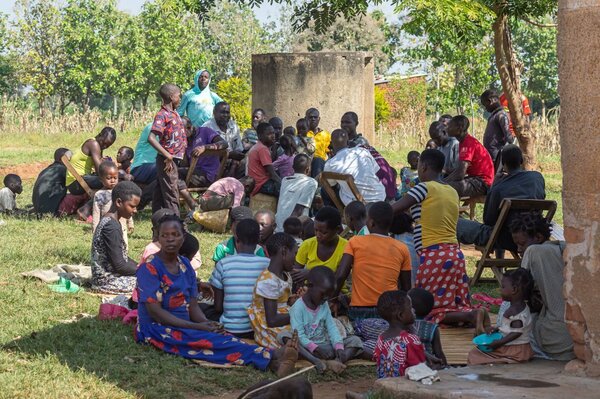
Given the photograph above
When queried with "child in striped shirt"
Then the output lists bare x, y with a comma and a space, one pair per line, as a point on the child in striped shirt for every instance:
233, 280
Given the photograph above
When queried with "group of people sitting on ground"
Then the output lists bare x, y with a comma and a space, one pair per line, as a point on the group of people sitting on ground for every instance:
289, 279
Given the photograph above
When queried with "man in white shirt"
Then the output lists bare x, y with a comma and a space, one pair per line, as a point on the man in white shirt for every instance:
357, 162
297, 192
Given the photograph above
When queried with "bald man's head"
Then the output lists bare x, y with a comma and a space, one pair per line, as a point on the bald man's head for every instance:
339, 139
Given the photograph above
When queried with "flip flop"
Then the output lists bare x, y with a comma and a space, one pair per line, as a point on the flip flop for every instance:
65, 286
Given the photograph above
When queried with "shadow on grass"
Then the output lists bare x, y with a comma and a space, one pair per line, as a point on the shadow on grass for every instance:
107, 350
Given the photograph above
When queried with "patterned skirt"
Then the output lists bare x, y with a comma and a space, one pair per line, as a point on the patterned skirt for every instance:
203, 345
442, 272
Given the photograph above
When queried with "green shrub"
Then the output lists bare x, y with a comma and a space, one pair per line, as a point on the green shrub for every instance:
382, 108
238, 93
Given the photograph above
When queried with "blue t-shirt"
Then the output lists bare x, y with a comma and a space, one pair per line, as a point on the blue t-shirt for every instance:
144, 153
236, 275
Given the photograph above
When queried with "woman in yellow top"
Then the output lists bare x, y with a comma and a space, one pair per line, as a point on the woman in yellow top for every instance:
434, 207
88, 159
326, 248
322, 140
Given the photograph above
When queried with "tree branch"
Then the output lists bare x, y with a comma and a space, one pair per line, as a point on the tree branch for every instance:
539, 25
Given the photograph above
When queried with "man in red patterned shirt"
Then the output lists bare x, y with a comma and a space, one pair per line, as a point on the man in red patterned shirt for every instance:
171, 145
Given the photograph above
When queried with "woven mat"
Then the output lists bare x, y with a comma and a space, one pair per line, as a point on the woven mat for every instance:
299, 364
457, 342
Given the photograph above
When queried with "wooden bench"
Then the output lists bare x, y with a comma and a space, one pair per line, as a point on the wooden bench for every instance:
324, 179
506, 207
65, 160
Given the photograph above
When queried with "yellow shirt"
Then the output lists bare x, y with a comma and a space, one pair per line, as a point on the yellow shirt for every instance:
307, 254
82, 163
322, 141
435, 214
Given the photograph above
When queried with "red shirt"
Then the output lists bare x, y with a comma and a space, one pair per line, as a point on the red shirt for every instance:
481, 165
259, 156
169, 128
524, 104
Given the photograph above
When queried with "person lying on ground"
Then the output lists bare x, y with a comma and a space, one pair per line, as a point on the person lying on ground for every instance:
434, 208
170, 319
49, 188
233, 281
297, 192
113, 270
225, 193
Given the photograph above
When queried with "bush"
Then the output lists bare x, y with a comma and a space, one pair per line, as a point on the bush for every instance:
238, 93
382, 108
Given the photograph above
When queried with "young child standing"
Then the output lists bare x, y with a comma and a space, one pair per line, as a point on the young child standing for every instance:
124, 159
409, 175
317, 331
304, 144
8, 195
515, 325
269, 311
397, 348
233, 280
356, 218
428, 332
171, 145
109, 176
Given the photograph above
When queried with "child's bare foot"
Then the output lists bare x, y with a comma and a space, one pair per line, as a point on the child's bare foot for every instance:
288, 356
482, 319
321, 367
335, 366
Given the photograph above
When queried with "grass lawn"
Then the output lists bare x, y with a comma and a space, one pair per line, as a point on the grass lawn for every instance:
44, 355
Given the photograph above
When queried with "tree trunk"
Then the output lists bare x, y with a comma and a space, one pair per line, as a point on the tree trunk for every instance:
508, 70
115, 108
544, 113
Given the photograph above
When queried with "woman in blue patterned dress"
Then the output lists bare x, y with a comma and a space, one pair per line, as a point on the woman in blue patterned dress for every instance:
170, 319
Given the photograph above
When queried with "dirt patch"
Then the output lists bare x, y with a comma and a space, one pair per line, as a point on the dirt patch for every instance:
25, 170
321, 390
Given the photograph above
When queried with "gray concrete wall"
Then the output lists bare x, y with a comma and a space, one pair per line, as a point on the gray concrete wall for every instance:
287, 84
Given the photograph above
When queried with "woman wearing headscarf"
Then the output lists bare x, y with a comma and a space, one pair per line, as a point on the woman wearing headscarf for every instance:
198, 102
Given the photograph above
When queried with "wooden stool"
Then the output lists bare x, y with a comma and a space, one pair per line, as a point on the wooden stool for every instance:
213, 220
263, 201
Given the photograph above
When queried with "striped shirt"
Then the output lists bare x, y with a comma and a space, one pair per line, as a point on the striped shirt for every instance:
236, 275
435, 214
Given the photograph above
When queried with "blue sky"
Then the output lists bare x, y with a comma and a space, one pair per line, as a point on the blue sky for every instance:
133, 6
